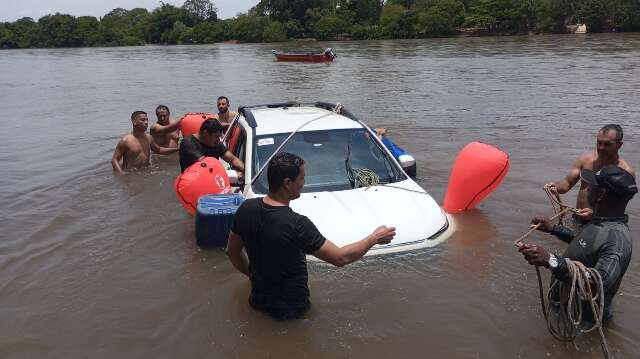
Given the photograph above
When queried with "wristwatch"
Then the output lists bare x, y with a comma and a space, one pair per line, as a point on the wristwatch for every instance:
553, 261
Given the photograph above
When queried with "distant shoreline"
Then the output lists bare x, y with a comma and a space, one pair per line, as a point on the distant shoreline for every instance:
313, 40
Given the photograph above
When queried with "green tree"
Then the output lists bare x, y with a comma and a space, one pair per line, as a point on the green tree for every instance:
274, 32
626, 16
365, 11
285, 10
201, 9
56, 30
162, 21
325, 23
249, 28
85, 32
21, 33
398, 22
441, 18
596, 14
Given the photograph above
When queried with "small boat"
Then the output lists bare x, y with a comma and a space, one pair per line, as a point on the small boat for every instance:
308, 56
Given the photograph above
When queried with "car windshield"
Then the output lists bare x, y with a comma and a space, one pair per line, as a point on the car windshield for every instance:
333, 158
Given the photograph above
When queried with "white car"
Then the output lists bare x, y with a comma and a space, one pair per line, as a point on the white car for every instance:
353, 183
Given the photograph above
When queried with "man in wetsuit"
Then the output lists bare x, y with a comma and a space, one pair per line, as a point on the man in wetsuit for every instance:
207, 143
604, 243
609, 142
134, 148
225, 116
277, 240
165, 132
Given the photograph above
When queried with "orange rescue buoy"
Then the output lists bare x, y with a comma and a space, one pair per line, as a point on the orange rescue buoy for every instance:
190, 123
203, 177
478, 170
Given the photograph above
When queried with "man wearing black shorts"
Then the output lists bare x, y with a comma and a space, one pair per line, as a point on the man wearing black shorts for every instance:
277, 240
207, 143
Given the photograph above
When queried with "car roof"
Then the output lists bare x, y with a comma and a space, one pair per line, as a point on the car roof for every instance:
288, 119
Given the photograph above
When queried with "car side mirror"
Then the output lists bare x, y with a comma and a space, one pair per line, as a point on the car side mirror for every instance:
234, 178
408, 164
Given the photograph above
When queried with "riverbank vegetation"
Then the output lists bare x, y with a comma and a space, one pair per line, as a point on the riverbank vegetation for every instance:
196, 22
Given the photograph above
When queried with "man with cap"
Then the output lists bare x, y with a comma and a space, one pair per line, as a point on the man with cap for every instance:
604, 243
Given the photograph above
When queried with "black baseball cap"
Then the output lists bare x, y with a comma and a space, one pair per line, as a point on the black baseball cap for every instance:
613, 179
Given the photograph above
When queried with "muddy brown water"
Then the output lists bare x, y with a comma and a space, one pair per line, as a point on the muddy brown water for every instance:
92, 265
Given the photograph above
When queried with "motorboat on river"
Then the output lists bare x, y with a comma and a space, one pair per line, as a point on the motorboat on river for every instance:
308, 56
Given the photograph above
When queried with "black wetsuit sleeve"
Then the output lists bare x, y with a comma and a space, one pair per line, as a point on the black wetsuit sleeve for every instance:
309, 237
613, 253
563, 233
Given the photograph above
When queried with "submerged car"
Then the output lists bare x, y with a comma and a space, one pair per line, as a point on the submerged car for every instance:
353, 183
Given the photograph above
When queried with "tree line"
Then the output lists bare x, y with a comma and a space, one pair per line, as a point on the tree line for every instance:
196, 21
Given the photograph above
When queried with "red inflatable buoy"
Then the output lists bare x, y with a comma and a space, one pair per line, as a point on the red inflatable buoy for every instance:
203, 177
190, 123
478, 170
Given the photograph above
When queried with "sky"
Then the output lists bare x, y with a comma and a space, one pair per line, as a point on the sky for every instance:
12, 10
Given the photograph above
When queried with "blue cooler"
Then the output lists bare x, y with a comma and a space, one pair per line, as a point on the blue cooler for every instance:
214, 215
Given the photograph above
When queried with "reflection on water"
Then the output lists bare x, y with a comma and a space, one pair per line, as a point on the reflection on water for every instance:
94, 263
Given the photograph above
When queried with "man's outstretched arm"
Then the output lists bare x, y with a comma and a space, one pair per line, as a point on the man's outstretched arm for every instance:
234, 161
162, 150
164, 129
564, 185
341, 256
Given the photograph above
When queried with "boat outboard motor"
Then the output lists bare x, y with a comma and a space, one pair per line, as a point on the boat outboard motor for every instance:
329, 52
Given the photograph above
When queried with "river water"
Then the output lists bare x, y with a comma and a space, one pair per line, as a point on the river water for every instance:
94, 265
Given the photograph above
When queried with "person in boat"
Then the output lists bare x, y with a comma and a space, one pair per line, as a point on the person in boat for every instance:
268, 243
165, 132
225, 116
328, 52
134, 149
604, 243
207, 143
609, 142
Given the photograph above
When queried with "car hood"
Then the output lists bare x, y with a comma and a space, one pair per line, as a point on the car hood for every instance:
345, 217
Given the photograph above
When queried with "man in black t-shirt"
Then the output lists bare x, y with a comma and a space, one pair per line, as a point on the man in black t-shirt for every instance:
277, 239
206, 143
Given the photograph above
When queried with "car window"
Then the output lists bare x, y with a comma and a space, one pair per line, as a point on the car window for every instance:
326, 154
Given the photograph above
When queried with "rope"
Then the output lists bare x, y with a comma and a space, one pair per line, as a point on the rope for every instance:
366, 178
571, 306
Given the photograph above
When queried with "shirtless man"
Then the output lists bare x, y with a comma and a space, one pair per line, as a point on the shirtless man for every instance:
165, 132
134, 148
609, 141
224, 115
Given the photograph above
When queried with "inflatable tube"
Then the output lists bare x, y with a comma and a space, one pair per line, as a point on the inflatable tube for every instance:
203, 177
190, 123
403, 157
478, 170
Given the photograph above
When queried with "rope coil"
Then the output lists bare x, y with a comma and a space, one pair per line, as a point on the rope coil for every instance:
570, 297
